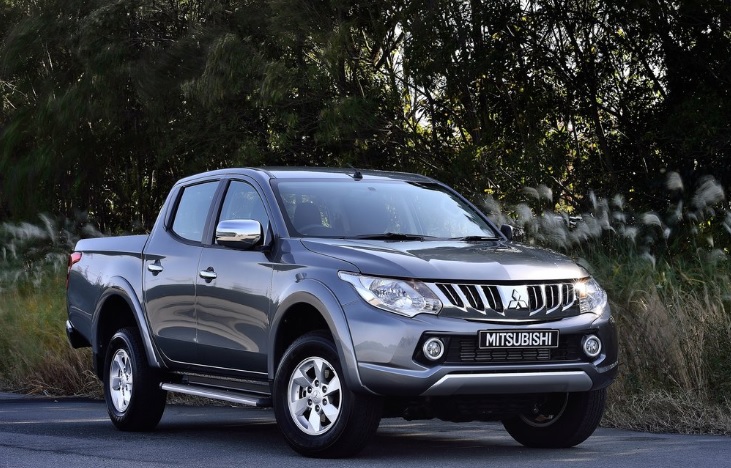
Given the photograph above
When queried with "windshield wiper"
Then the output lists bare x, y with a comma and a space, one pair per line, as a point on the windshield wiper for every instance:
391, 236
475, 238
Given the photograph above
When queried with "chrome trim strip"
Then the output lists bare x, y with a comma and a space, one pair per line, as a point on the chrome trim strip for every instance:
521, 382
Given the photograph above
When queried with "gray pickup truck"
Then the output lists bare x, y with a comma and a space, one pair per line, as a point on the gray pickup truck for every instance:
339, 297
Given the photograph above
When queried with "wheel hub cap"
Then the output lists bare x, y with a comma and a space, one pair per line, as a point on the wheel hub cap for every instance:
120, 380
314, 396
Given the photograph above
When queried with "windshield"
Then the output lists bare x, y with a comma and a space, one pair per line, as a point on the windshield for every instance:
389, 210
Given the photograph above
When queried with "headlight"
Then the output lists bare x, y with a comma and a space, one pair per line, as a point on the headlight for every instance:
592, 298
402, 297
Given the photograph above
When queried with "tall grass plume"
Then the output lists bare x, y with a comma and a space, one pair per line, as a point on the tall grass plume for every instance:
34, 354
668, 276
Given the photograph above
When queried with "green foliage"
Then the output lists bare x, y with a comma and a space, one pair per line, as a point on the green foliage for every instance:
34, 354
105, 104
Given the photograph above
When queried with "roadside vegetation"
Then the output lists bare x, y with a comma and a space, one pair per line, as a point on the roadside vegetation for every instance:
668, 281
35, 356
668, 278
103, 105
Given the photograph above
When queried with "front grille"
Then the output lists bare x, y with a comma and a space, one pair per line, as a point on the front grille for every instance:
475, 296
464, 350
533, 302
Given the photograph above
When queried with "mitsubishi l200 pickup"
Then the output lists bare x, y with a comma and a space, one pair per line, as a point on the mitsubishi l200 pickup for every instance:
339, 297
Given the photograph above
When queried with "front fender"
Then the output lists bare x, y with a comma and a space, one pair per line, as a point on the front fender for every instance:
315, 294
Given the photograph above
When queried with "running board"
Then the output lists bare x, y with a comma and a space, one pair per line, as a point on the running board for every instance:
225, 395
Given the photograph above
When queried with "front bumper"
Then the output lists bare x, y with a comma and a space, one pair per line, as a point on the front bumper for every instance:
478, 380
387, 349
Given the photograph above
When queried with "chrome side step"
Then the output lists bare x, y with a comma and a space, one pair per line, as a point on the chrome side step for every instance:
215, 394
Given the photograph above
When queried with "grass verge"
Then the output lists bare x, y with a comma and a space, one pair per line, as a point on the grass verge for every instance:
664, 411
36, 357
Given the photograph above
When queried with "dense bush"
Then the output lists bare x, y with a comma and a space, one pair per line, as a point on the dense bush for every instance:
34, 354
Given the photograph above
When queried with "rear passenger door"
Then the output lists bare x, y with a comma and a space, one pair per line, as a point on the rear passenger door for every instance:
171, 270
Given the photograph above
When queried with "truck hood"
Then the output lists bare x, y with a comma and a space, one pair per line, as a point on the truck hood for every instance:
450, 260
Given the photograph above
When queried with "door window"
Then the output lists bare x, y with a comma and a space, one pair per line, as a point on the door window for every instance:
243, 202
192, 212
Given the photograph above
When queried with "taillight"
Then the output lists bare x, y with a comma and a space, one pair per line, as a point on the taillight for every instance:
74, 258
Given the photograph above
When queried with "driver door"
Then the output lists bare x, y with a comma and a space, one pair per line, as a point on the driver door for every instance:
233, 289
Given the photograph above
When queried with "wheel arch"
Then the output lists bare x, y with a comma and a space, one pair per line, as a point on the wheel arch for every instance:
118, 307
312, 306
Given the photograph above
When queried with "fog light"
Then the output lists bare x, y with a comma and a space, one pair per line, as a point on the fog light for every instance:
433, 349
592, 346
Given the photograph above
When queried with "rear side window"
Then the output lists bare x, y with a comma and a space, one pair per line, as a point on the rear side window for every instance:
190, 217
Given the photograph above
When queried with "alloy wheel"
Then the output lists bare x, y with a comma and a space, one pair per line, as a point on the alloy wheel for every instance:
314, 396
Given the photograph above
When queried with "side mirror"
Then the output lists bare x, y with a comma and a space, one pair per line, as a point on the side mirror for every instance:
240, 234
508, 231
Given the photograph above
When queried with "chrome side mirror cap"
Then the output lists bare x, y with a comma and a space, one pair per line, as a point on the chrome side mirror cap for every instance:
242, 234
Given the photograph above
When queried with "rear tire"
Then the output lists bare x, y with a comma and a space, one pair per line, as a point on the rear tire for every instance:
561, 420
316, 411
132, 391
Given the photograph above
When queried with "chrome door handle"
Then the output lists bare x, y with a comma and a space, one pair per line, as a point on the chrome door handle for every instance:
154, 268
208, 274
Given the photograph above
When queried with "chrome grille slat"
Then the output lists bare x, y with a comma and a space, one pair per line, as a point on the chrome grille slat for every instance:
473, 298
488, 301
448, 291
552, 293
535, 296
569, 295
492, 298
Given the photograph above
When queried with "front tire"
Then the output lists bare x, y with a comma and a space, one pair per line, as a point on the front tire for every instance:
132, 392
316, 411
560, 420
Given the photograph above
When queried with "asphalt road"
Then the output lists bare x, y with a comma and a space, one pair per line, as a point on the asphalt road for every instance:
77, 433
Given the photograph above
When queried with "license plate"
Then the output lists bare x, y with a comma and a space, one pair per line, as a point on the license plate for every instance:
501, 339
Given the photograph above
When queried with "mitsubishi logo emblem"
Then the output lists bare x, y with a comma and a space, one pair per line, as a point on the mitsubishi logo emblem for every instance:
517, 302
